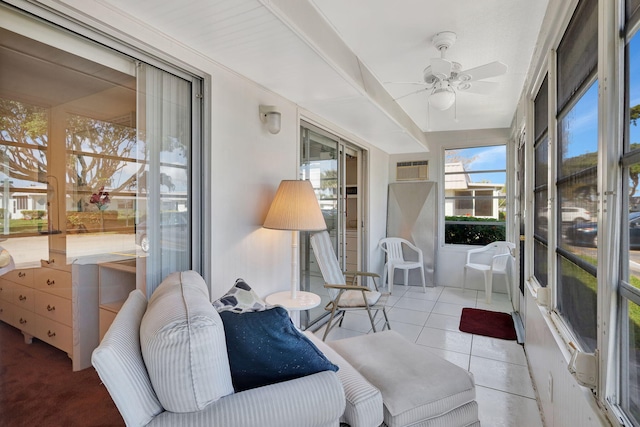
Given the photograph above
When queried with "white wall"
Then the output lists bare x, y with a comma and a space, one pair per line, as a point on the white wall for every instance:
564, 402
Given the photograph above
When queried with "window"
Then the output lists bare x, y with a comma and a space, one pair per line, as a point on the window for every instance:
95, 154
629, 307
577, 168
475, 195
464, 203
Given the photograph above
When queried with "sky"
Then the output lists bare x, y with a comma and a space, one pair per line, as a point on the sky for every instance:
484, 158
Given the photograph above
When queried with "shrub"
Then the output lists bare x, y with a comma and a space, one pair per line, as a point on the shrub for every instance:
480, 232
33, 214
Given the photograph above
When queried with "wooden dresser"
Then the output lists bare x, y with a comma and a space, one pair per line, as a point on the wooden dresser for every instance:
58, 305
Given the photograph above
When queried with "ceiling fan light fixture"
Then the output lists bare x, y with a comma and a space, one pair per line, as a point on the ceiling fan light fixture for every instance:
442, 98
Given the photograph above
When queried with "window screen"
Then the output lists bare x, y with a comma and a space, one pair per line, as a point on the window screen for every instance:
578, 51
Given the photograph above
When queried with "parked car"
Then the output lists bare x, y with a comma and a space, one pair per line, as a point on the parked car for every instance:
575, 215
586, 233
570, 214
173, 229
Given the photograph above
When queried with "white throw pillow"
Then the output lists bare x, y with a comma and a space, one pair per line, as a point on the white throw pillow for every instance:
183, 345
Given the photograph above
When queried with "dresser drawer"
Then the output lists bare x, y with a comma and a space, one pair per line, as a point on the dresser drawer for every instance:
22, 296
5, 290
23, 277
54, 281
23, 320
6, 311
53, 307
54, 333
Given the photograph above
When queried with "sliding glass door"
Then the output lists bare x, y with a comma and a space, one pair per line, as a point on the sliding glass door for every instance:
334, 168
97, 155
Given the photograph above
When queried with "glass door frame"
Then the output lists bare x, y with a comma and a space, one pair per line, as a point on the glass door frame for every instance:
335, 221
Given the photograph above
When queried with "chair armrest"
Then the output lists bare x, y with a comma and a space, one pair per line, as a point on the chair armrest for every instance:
313, 400
347, 287
471, 252
355, 274
496, 257
362, 273
416, 249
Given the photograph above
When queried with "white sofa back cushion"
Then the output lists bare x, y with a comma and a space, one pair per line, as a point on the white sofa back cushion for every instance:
183, 345
120, 366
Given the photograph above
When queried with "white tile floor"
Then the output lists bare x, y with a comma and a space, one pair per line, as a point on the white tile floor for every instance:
504, 391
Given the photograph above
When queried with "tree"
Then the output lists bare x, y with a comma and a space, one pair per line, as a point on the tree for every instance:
96, 149
454, 156
24, 125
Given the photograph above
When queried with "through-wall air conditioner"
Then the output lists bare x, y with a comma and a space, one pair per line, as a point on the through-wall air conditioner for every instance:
412, 171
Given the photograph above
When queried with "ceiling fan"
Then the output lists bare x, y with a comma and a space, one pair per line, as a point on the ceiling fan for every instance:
444, 78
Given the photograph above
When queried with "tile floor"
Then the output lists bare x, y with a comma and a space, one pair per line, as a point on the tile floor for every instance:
504, 391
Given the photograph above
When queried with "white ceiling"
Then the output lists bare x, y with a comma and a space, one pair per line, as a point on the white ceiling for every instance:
335, 57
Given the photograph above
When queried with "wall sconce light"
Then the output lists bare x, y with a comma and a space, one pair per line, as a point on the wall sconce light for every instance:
271, 117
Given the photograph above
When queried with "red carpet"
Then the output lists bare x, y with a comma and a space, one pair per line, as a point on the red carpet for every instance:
38, 387
488, 323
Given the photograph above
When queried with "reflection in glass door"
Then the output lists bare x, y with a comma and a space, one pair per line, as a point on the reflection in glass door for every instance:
333, 169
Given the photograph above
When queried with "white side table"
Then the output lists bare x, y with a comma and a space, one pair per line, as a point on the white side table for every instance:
304, 300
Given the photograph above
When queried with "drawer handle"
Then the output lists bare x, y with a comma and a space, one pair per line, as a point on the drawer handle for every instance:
22, 274
50, 308
22, 321
51, 334
51, 282
22, 298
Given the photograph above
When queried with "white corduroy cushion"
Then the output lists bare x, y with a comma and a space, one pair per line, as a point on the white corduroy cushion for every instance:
363, 401
183, 345
354, 298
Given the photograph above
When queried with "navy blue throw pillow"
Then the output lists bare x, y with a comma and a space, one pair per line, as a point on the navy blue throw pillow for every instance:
265, 348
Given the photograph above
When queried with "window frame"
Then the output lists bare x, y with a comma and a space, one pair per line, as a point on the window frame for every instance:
473, 198
626, 291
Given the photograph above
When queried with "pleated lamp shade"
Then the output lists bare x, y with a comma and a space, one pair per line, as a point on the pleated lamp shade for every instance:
295, 207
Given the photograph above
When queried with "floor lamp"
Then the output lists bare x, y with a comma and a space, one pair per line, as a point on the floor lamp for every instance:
295, 208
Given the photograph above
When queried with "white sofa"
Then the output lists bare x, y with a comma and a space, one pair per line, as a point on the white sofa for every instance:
182, 378
313, 400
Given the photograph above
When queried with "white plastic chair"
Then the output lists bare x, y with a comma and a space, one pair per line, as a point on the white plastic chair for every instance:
346, 297
393, 246
497, 263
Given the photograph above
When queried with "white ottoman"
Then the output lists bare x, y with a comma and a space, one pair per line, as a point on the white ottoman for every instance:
418, 388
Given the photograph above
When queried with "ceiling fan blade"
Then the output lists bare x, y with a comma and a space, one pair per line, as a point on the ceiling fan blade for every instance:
485, 71
406, 83
411, 93
440, 68
482, 88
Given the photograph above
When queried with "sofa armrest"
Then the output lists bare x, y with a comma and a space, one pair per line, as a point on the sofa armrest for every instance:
314, 400
119, 364
364, 406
